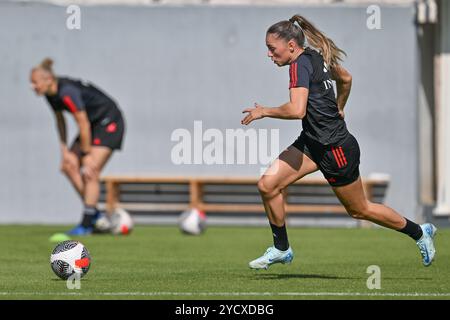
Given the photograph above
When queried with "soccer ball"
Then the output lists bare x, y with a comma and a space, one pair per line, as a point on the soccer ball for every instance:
70, 257
121, 222
103, 224
192, 221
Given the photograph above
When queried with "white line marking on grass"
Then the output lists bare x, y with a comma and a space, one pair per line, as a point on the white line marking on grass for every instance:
225, 294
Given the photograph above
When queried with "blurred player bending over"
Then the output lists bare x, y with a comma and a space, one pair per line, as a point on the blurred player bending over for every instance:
101, 130
325, 144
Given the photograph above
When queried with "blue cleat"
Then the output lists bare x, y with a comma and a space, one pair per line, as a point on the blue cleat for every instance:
271, 256
80, 231
426, 245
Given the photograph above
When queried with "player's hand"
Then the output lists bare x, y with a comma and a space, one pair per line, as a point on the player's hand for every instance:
88, 167
341, 113
253, 114
69, 161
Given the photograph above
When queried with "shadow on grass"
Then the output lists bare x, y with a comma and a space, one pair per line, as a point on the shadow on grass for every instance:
299, 276
269, 276
406, 278
62, 280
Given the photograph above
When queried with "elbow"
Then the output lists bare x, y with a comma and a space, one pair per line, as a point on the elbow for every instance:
300, 115
297, 110
346, 79
349, 81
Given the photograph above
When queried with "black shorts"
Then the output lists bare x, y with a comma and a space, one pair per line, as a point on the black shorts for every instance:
108, 133
338, 163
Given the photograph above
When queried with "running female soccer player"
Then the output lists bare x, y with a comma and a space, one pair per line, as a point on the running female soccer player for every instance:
325, 143
101, 129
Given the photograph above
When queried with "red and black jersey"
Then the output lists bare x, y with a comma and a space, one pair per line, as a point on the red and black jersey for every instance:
322, 122
75, 95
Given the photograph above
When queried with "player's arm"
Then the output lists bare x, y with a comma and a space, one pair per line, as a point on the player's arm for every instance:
298, 93
68, 158
71, 97
62, 133
293, 110
84, 126
89, 168
343, 80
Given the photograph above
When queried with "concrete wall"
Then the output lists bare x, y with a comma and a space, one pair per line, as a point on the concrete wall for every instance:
170, 66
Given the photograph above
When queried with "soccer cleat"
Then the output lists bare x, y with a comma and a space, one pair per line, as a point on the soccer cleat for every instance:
271, 256
97, 216
426, 245
80, 231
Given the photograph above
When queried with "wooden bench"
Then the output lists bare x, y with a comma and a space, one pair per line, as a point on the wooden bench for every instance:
223, 194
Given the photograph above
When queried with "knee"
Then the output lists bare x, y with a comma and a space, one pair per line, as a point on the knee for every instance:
267, 189
91, 175
69, 169
360, 212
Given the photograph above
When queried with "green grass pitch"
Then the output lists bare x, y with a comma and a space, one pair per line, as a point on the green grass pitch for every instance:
158, 262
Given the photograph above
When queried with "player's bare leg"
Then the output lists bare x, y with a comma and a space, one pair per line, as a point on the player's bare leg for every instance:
353, 198
290, 166
71, 169
93, 164
100, 156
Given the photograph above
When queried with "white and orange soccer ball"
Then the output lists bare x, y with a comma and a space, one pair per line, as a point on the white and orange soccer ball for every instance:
120, 222
192, 221
70, 258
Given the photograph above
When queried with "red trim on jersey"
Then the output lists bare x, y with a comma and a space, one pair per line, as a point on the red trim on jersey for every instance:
294, 76
343, 156
70, 104
336, 157
290, 76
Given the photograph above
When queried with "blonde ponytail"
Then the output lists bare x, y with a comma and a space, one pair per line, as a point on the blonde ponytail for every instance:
46, 65
332, 55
